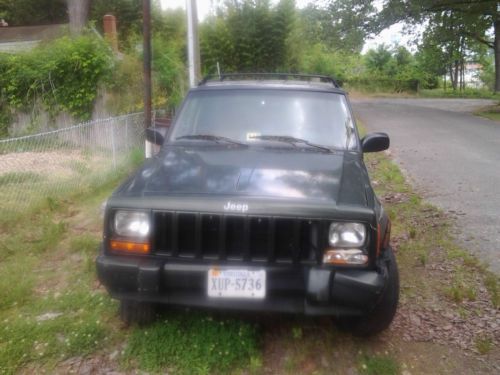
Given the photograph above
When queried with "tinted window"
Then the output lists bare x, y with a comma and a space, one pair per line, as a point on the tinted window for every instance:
318, 117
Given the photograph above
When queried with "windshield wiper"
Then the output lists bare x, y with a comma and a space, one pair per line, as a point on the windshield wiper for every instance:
290, 140
210, 137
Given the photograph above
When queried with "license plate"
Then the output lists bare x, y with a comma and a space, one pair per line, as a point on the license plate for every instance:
236, 283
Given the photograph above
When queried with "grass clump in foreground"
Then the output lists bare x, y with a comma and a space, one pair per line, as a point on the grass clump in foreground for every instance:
193, 343
378, 365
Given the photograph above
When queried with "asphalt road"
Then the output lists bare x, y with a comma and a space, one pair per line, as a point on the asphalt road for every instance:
452, 159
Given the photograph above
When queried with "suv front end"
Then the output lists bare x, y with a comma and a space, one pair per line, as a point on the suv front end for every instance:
231, 226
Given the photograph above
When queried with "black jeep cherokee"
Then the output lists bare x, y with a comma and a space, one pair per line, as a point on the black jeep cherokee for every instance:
258, 199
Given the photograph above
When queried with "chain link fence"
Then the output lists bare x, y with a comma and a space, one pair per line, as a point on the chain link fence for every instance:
47, 167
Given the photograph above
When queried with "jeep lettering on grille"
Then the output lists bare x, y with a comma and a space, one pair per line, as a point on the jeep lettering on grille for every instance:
238, 207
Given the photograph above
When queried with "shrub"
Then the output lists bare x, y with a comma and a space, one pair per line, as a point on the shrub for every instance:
62, 76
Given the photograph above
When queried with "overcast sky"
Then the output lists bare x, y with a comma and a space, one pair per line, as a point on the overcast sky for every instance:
393, 35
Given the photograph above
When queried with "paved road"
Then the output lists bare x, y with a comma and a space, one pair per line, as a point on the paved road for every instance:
451, 157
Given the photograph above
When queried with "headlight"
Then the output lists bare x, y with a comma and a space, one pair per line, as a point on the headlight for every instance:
347, 235
132, 224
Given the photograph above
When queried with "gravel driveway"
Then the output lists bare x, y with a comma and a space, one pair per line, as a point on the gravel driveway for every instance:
451, 157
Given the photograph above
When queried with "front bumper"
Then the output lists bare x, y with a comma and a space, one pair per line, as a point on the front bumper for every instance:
310, 290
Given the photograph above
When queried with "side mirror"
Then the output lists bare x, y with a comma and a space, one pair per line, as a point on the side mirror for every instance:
155, 136
375, 142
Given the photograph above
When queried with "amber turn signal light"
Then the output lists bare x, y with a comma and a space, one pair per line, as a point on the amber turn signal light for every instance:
130, 247
345, 257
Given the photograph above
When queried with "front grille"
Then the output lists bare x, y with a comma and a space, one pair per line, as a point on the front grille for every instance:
237, 238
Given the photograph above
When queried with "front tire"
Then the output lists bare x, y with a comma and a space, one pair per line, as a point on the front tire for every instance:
381, 316
141, 313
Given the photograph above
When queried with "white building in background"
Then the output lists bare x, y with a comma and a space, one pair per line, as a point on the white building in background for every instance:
472, 75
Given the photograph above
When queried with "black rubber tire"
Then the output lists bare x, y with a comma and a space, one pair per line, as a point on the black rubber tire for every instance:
380, 318
141, 313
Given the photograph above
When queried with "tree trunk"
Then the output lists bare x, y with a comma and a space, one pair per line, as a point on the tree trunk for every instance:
496, 26
78, 11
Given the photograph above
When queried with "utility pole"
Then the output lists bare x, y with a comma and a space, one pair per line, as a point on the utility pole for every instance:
146, 31
193, 43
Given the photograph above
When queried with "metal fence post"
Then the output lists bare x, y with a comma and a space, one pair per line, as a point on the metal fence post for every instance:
113, 143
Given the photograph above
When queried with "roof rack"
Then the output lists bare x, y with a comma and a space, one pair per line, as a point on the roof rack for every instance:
265, 76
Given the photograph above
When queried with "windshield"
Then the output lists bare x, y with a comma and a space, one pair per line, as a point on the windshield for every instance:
249, 116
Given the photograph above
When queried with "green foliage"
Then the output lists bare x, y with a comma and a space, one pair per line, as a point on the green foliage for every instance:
169, 70
247, 36
379, 60
319, 60
62, 76
341, 25
192, 343
85, 243
455, 31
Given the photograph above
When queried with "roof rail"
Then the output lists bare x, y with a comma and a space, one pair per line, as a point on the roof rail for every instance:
265, 76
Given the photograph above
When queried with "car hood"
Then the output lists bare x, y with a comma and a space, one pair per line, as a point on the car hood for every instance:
237, 171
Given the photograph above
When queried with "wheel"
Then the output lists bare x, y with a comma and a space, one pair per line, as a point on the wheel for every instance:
141, 313
380, 318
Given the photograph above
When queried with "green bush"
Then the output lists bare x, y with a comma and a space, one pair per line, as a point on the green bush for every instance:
62, 76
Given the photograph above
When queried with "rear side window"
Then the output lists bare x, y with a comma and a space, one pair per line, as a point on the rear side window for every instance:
319, 117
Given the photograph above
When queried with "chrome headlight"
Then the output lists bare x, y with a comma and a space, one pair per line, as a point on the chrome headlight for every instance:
347, 235
134, 224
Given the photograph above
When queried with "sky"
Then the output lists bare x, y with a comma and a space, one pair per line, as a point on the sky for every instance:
390, 36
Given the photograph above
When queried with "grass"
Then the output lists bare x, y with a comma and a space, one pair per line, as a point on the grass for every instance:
484, 344
193, 343
13, 178
378, 365
468, 93
49, 307
489, 112
52, 310
41, 322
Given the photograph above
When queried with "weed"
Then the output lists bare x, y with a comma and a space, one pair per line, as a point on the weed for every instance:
53, 204
484, 344
423, 258
378, 365
461, 290
255, 365
15, 283
48, 235
84, 243
297, 333
492, 284
79, 167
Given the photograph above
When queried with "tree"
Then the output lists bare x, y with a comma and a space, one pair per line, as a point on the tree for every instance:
379, 59
247, 36
342, 25
78, 11
477, 18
